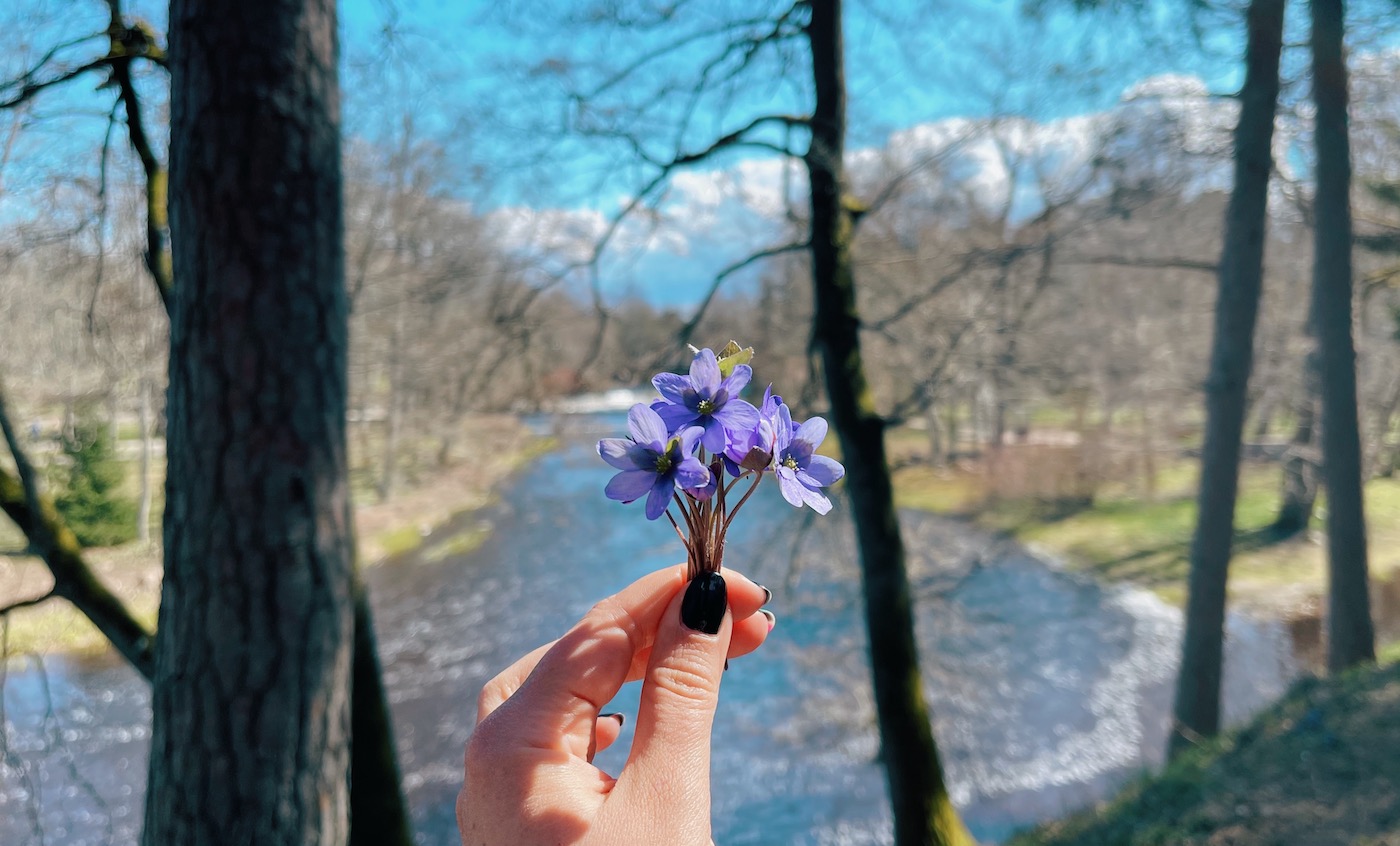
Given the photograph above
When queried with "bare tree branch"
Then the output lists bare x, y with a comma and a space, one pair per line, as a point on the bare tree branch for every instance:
56, 545
29, 88
687, 331
1148, 263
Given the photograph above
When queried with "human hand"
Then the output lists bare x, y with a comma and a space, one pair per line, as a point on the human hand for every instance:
530, 779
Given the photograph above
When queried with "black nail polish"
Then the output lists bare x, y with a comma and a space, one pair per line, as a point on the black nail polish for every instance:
705, 602
726, 665
621, 720
767, 595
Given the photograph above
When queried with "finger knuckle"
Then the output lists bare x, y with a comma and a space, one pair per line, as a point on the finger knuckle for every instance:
609, 615
685, 678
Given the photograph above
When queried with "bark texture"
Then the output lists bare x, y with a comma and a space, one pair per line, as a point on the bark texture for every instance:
251, 704
1350, 636
1197, 709
1300, 465
923, 812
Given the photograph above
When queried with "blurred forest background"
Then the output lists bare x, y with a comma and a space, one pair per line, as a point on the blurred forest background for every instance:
545, 202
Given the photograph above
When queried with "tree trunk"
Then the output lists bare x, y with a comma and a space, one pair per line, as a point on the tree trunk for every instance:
1197, 708
923, 812
1385, 416
937, 452
1149, 450
389, 470
379, 811
1350, 636
1300, 464
143, 507
251, 705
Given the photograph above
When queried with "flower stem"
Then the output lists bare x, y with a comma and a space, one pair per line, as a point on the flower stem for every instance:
745, 498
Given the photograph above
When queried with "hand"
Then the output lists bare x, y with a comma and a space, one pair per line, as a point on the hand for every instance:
530, 779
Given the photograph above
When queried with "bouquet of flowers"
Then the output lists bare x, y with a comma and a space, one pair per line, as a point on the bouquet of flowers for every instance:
691, 447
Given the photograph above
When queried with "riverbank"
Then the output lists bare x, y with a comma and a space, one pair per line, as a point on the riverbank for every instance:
1321, 767
1128, 535
489, 449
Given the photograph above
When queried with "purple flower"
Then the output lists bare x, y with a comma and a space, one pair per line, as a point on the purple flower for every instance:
801, 472
752, 448
652, 463
707, 400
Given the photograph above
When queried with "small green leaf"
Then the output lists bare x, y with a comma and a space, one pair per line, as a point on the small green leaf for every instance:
732, 356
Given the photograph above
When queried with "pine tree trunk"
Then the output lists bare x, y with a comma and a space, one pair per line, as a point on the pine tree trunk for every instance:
1197, 708
251, 703
1350, 636
143, 506
923, 812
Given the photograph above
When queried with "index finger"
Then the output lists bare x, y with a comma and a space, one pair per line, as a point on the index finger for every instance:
553, 695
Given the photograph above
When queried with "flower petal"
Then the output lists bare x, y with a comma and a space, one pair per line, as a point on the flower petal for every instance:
672, 386
660, 497
813, 432
677, 417
738, 380
818, 502
646, 427
690, 436
790, 488
643, 458
691, 475
738, 417
616, 452
629, 485
783, 436
704, 373
715, 438
825, 471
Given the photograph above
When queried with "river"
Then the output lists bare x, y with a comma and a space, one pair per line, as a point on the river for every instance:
1048, 690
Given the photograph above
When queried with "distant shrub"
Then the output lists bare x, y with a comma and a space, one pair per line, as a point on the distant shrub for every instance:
88, 490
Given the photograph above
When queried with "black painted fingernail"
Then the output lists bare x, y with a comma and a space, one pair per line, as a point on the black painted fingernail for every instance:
620, 719
726, 665
705, 602
772, 618
767, 595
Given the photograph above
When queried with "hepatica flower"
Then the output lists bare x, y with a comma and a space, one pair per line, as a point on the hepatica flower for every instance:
801, 472
654, 462
707, 398
694, 445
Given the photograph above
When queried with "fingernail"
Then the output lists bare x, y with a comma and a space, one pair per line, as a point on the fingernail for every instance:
705, 602
767, 595
772, 618
620, 718
726, 665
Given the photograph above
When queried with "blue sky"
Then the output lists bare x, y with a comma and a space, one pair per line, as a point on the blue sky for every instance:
467, 69
467, 73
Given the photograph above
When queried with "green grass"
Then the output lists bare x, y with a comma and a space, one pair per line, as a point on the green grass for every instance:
396, 542
460, 543
1320, 767
57, 626
1123, 536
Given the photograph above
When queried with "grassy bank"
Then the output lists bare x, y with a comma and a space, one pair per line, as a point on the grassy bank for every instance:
490, 449
1124, 535
1319, 767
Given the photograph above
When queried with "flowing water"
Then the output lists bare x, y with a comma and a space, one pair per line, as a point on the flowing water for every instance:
1048, 690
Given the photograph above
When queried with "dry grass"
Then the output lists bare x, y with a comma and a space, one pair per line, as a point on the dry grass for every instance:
491, 447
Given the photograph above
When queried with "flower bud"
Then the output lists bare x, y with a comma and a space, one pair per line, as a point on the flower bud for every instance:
758, 458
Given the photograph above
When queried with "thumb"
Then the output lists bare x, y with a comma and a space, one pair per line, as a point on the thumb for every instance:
670, 760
